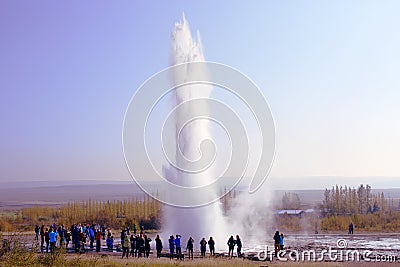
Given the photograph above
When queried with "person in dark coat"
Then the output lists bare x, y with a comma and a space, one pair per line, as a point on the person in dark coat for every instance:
189, 247
132, 239
147, 245
37, 231
123, 234
231, 245
67, 235
211, 245
47, 239
61, 232
159, 246
239, 246
103, 232
42, 235
351, 228
203, 247
140, 245
277, 241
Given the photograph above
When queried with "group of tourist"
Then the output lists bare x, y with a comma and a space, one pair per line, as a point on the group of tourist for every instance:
48, 236
139, 244
77, 234
175, 246
132, 244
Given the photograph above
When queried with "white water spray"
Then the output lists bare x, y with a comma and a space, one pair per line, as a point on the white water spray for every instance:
193, 173
194, 146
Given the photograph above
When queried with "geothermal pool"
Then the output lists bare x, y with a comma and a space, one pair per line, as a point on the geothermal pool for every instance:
382, 246
375, 241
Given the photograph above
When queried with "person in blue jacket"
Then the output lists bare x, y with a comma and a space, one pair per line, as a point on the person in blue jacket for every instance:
91, 236
171, 246
178, 245
281, 242
53, 239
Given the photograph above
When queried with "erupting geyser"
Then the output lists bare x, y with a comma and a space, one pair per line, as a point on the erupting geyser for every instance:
194, 149
205, 143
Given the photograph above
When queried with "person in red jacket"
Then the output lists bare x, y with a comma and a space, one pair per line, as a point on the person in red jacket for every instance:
98, 240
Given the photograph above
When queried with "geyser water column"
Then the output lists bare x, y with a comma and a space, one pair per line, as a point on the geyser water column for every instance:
189, 167
194, 152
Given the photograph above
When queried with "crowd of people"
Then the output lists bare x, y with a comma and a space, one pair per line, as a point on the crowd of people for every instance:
139, 245
133, 244
78, 235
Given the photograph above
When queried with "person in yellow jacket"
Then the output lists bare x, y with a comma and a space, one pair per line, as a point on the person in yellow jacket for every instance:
125, 247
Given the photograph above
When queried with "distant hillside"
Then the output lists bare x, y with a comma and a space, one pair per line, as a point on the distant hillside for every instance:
17, 194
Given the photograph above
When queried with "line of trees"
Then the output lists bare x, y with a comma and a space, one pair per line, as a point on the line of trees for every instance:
290, 201
366, 210
376, 222
118, 213
345, 200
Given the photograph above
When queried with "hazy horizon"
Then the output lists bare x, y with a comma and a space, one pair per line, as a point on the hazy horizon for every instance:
277, 183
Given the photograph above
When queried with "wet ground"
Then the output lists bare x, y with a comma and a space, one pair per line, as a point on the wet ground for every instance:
379, 241
371, 247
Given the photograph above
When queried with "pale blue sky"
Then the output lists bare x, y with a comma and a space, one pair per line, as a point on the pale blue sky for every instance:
329, 70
